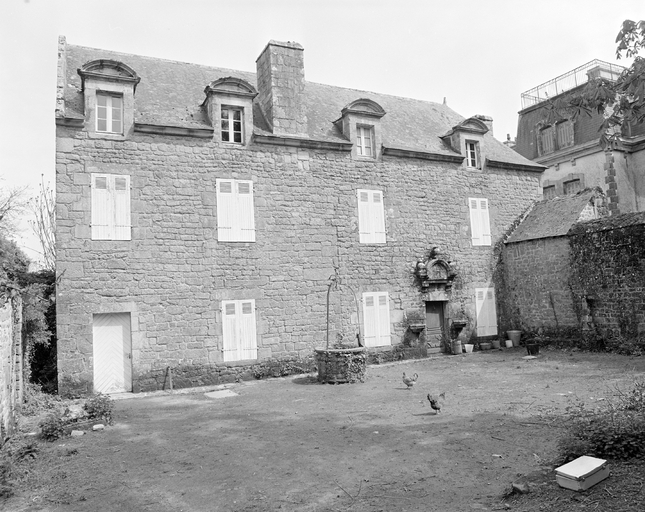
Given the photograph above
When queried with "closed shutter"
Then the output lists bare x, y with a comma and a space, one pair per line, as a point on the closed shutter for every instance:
101, 208
376, 319
238, 330
371, 216
479, 221
246, 226
121, 201
111, 218
235, 216
486, 311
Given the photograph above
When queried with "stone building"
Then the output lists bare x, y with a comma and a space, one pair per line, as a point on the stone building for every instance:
202, 211
570, 148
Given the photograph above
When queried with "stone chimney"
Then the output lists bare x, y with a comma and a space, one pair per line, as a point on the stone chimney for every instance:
281, 85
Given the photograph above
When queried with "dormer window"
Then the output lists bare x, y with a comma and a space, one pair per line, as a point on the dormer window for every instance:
108, 89
109, 113
467, 138
229, 103
365, 141
232, 125
360, 122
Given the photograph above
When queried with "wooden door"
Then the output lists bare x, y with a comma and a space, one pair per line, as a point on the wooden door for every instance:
112, 350
434, 323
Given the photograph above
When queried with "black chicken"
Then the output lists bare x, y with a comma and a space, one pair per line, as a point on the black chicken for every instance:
434, 402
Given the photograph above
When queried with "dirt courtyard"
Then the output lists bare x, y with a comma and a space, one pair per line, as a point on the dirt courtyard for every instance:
293, 444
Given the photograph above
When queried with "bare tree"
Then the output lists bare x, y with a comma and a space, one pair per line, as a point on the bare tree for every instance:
13, 203
43, 207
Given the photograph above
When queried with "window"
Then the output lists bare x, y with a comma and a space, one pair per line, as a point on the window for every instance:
232, 125
235, 218
376, 317
548, 192
110, 207
571, 187
109, 113
565, 134
479, 221
546, 141
472, 154
486, 311
365, 141
371, 217
238, 330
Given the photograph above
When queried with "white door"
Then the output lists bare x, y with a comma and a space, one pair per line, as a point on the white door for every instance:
486, 311
112, 349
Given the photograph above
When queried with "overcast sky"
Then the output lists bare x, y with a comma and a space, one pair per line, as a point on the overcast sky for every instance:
478, 54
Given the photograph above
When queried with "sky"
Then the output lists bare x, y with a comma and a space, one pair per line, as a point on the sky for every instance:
479, 55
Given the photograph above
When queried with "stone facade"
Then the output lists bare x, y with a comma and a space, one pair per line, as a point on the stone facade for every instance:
173, 274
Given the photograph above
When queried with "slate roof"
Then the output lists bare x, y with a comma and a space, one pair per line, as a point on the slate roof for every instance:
552, 217
171, 94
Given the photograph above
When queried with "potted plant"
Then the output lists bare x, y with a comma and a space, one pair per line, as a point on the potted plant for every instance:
346, 360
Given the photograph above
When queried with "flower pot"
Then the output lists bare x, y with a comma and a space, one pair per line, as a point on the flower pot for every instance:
533, 349
485, 346
338, 366
468, 347
456, 347
514, 336
509, 343
496, 344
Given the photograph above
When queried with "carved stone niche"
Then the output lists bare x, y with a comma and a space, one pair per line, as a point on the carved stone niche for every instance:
435, 277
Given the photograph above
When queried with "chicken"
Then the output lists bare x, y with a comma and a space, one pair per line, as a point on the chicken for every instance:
434, 402
409, 381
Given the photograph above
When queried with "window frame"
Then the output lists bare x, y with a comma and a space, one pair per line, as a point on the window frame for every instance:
235, 212
371, 216
567, 185
472, 160
377, 324
230, 121
551, 192
110, 211
561, 129
480, 229
361, 145
239, 334
109, 111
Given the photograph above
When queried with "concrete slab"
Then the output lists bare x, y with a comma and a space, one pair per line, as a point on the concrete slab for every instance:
220, 394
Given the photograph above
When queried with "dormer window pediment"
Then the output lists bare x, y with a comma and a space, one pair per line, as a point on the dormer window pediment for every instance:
364, 107
108, 70
231, 86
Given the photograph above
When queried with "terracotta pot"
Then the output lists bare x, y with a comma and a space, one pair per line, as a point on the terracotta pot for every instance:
515, 337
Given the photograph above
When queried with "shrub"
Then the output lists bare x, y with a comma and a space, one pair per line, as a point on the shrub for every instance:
615, 430
53, 427
36, 401
99, 407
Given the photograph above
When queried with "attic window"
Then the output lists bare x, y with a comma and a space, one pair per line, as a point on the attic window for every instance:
365, 141
109, 113
232, 124
472, 154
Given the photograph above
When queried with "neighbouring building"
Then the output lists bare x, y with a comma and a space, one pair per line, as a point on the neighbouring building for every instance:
202, 211
570, 148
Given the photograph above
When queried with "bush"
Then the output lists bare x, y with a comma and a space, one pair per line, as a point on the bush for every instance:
100, 407
36, 401
53, 427
615, 430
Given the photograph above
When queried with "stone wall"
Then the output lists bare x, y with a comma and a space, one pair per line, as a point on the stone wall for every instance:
11, 378
608, 274
173, 274
536, 279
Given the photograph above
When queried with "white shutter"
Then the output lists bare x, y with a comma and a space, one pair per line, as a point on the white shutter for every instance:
225, 210
248, 341
102, 216
486, 311
475, 228
229, 330
376, 319
484, 219
384, 319
121, 202
370, 320
246, 218
364, 218
378, 216
238, 330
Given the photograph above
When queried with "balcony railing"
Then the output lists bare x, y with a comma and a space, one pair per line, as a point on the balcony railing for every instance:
570, 80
